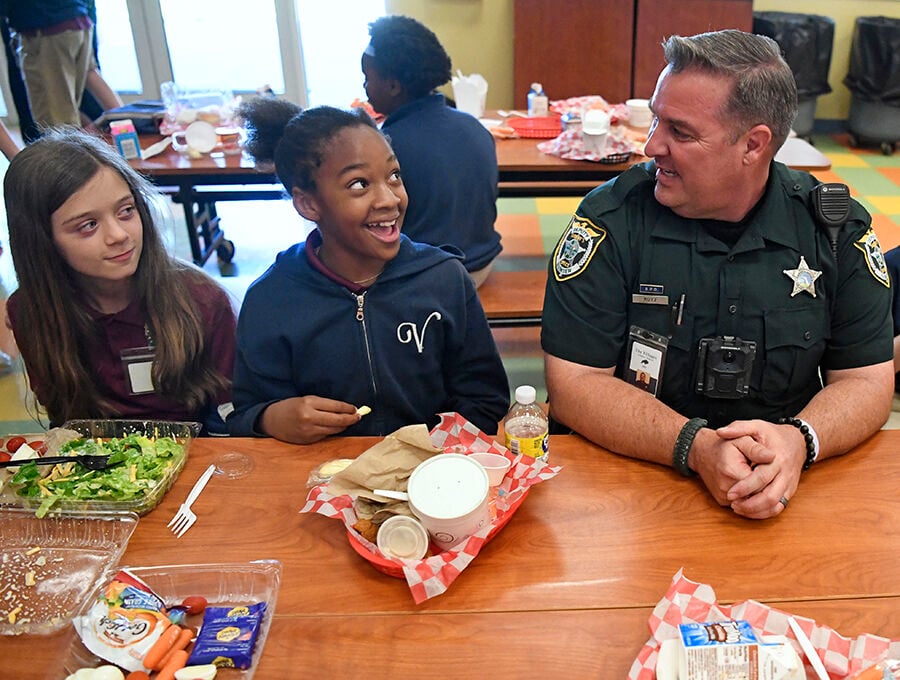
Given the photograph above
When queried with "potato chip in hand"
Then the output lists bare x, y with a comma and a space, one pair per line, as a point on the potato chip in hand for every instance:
363, 411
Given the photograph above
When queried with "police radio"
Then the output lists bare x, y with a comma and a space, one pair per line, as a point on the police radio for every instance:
831, 208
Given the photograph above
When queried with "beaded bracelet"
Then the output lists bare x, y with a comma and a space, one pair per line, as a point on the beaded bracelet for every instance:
683, 445
812, 449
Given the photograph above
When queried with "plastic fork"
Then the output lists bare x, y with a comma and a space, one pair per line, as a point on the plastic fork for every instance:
184, 519
91, 462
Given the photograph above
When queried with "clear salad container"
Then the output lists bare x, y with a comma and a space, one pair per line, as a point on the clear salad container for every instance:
136, 486
49, 566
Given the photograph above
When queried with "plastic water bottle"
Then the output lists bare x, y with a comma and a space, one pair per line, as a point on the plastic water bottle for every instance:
526, 426
538, 104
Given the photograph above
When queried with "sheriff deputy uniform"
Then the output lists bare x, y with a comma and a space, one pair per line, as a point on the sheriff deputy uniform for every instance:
627, 266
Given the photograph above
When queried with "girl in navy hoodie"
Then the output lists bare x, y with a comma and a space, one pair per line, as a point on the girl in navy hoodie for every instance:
357, 314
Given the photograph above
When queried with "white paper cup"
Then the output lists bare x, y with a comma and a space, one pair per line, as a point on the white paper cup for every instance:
402, 537
449, 494
639, 113
595, 143
494, 464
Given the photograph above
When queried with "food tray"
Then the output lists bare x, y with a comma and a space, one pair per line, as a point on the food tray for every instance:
182, 432
221, 585
395, 567
538, 127
74, 551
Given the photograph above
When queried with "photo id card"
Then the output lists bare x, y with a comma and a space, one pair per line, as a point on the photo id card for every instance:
138, 365
646, 357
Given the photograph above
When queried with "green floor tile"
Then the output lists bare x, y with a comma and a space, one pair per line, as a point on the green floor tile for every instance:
867, 181
516, 206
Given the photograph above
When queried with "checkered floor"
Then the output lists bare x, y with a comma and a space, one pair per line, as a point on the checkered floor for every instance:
530, 229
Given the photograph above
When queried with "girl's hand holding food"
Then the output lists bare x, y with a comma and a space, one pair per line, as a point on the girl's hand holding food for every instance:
304, 420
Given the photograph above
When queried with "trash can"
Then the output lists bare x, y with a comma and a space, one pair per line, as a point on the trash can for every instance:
873, 79
806, 42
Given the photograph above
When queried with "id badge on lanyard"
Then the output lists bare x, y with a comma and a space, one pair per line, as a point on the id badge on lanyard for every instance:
138, 365
645, 359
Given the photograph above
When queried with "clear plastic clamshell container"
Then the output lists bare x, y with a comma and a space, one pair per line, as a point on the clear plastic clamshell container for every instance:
222, 584
49, 566
149, 498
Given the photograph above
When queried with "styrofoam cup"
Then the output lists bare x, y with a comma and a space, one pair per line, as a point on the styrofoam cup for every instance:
639, 113
494, 464
449, 494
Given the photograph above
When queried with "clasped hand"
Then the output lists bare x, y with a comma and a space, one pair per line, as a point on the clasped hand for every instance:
750, 465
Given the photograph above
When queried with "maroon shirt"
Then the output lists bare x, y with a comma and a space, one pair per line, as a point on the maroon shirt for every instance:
126, 330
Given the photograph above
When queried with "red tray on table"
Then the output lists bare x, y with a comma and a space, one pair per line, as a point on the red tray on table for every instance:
395, 567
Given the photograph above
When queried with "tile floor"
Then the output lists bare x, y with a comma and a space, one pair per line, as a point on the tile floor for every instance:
530, 228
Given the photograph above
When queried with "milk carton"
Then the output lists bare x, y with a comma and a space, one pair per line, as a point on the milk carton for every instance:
125, 137
719, 650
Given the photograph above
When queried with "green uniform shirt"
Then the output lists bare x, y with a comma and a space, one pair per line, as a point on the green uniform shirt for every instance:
623, 251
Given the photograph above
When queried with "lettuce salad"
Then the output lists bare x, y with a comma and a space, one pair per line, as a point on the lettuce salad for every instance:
137, 465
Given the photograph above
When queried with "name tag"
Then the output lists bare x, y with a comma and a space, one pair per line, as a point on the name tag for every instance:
138, 363
639, 299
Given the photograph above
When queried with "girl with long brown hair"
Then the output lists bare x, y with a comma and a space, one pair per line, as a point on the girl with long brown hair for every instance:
108, 323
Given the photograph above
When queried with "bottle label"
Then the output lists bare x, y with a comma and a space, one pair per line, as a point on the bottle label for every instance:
536, 447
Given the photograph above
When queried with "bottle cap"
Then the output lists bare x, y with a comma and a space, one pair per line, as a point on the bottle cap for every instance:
525, 394
537, 87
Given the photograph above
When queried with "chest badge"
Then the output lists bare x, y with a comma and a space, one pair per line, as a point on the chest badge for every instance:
803, 277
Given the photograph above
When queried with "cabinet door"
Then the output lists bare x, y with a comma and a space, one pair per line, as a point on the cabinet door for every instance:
659, 19
573, 48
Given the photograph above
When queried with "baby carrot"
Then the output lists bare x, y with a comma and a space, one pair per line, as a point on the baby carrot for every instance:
177, 661
161, 646
184, 639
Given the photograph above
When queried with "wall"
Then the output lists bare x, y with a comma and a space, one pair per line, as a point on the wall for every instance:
478, 35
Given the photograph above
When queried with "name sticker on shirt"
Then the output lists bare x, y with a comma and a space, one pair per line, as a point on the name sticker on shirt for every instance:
138, 365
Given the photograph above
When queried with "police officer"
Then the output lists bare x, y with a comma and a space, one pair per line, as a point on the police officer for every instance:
756, 301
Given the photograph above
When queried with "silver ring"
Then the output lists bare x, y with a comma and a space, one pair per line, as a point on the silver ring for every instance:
783, 501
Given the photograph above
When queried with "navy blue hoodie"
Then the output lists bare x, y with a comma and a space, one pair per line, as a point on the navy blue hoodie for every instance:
414, 344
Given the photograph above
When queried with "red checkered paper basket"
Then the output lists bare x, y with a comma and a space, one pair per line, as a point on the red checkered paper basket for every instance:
432, 576
691, 602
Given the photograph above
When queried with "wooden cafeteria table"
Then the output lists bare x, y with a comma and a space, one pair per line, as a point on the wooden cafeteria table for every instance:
564, 590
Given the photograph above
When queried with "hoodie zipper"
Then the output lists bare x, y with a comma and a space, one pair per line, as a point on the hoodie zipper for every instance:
361, 317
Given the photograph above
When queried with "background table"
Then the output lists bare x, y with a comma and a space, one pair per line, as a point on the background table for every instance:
564, 590
523, 171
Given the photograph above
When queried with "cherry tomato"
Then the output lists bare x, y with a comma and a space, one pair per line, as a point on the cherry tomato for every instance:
40, 448
194, 604
14, 443
4, 456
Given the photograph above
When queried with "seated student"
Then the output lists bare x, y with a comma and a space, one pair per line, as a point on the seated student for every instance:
449, 159
358, 314
108, 324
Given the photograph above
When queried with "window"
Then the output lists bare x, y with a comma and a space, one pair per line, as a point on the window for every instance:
306, 50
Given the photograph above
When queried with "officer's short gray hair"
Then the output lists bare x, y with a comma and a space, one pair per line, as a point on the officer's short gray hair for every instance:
764, 91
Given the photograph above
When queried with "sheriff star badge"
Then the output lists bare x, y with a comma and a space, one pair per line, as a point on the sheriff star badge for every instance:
803, 277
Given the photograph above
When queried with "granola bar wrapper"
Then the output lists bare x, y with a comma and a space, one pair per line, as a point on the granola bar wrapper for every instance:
690, 602
403, 451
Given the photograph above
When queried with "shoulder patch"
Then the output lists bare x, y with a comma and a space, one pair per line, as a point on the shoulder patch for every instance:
576, 247
871, 249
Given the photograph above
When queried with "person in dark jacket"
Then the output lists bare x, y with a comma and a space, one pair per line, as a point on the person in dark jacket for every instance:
448, 158
358, 314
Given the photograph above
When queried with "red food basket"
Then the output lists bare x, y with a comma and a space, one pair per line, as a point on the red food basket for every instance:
395, 567
538, 127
